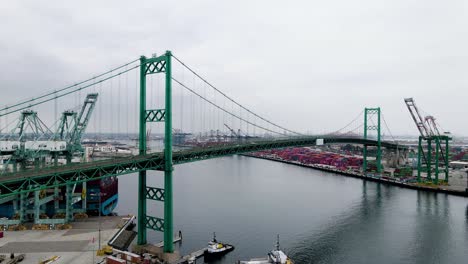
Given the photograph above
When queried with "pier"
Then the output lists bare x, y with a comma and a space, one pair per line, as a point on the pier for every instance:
76, 245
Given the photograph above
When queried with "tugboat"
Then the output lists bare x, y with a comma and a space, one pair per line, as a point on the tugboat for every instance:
216, 249
276, 256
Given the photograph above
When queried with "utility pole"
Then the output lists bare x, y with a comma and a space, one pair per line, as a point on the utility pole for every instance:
99, 219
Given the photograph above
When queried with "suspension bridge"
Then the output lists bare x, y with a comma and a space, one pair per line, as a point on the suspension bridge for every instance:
167, 112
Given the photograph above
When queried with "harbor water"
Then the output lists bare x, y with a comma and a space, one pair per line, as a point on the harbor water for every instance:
321, 217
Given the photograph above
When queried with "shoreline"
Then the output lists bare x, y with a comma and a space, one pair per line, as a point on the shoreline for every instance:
368, 178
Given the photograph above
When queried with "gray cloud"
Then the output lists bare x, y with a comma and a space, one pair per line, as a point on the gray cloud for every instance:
305, 64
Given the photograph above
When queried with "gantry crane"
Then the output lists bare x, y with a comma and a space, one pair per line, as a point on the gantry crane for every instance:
429, 132
73, 125
32, 140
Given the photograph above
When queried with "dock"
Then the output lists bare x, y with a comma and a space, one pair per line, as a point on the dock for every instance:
190, 258
157, 250
124, 237
177, 238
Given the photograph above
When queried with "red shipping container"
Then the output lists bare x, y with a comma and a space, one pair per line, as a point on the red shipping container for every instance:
114, 260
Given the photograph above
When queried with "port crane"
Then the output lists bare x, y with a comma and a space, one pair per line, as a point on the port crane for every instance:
30, 144
429, 131
233, 132
238, 134
32, 141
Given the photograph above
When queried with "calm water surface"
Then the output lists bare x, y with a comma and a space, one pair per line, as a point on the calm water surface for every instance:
321, 217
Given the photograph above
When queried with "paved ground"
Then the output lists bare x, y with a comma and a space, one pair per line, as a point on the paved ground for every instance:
75, 246
457, 180
44, 246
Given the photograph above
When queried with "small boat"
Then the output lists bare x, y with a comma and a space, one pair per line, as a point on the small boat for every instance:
217, 249
276, 256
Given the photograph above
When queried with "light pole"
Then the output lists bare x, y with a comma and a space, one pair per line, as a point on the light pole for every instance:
100, 194
99, 218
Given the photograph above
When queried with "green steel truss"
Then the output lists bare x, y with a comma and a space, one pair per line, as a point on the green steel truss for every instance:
156, 194
154, 223
156, 65
24, 182
156, 115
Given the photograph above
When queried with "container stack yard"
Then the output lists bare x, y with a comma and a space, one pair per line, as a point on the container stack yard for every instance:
310, 156
338, 161
343, 161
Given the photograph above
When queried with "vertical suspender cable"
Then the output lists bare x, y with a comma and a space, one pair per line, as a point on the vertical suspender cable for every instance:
182, 105
204, 109
6, 116
94, 119
127, 104
136, 105
111, 121
100, 114
118, 105
192, 97
55, 110
201, 115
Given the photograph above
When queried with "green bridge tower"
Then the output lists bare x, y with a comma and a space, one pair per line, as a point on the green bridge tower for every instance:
368, 118
161, 64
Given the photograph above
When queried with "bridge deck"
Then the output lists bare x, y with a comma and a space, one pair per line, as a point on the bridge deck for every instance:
31, 180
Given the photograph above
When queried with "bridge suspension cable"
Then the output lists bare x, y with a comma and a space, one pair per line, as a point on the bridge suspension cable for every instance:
234, 101
53, 95
388, 129
224, 110
339, 131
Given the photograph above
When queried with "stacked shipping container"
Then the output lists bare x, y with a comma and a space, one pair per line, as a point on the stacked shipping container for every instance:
311, 156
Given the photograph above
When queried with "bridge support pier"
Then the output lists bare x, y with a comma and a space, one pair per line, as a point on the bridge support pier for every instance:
141, 240
69, 203
56, 199
23, 206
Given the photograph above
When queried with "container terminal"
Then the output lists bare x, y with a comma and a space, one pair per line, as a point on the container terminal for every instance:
60, 216
344, 160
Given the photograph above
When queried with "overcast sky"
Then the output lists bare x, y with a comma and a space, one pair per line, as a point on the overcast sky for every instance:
305, 64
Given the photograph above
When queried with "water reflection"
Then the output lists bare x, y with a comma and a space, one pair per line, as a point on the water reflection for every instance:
432, 234
322, 217
466, 214
331, 243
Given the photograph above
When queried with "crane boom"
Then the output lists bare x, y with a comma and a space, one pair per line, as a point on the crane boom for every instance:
432, 125
418, 120
232, 131
83, 119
